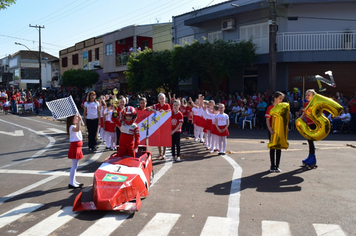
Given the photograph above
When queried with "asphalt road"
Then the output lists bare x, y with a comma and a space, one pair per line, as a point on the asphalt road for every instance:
205, 194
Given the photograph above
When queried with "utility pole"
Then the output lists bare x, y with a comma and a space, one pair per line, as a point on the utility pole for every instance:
39, 52
272, 45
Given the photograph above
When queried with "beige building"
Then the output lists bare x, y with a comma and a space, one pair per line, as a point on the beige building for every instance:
162, 37
87, 55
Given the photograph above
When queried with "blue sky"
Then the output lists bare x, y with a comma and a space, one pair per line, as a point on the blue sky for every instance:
67, 22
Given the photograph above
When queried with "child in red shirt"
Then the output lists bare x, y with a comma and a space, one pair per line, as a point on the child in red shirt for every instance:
37, 105
177, 122
130, 133
161, 106
142, 104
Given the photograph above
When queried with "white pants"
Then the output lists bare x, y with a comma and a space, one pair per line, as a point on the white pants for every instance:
103, 134
110, 139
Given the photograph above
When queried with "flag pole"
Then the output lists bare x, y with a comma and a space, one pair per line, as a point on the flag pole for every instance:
148, 126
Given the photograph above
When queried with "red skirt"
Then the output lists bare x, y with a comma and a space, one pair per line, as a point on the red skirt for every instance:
199, 121
202, 122
226, 133
208, 124
213, 129
195, 120
75, 150
109, 127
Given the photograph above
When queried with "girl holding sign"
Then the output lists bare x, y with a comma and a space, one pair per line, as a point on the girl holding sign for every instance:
75, 149
274, 154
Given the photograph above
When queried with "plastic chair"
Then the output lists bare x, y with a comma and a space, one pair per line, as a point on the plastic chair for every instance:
248, 121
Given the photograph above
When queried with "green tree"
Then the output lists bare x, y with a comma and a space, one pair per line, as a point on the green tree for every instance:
212, 62
6, 3
149, 70
79, 78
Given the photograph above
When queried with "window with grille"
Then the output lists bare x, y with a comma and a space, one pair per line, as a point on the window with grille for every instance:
64, 61
108, 49
96, 54
214, 36
187, 39
75, 59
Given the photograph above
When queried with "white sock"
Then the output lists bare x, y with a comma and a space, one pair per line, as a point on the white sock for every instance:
72, 173
223, 144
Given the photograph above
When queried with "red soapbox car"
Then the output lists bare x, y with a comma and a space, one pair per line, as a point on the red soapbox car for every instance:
120, 183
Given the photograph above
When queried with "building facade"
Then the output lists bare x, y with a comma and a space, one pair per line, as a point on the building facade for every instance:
86, 55
120, 44
21, 70
308, 42
5, 74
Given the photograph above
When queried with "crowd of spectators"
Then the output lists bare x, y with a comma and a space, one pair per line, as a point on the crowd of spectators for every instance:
239, 105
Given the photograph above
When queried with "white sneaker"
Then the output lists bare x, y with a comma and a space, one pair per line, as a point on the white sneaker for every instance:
195, 139
178, 159
335, 131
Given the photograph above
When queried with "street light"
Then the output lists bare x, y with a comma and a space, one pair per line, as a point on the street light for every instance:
272, 44
39, 61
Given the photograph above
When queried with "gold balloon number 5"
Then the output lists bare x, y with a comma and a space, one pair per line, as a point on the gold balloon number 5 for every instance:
314, 111
280, 120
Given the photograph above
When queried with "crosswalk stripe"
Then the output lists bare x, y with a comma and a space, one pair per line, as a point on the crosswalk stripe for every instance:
328, 230
270, 228
17, 213
21, 191
167, 165
106, 225
51, 223
160, 225
217, 226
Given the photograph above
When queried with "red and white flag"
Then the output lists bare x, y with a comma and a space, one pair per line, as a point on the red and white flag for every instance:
158, 125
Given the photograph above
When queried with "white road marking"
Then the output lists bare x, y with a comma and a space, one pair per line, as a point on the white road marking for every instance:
160, 225
328, 230
13, 134
17, 213
52, 141
106, 225
217, 226
271, 228
233, 211
21, 191
42, 121
95, 157
51, 131
41, 172
51, 223
167, 165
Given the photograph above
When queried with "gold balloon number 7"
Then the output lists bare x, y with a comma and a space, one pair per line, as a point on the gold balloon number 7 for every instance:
314, 111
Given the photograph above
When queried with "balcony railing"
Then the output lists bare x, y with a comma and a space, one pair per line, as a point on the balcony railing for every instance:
122, 59
309, 41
